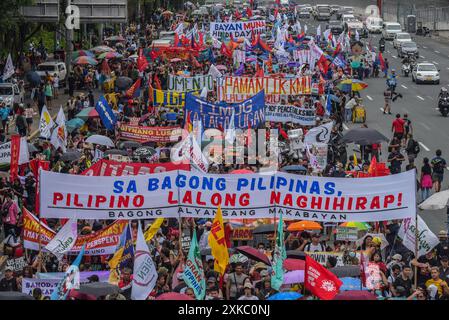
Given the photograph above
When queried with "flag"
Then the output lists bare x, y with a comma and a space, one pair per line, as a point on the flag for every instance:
320, 134
105, 69
64, 239
318, 33
157, 82
217, 243
15, 156
372, 170
46, 123
71, 279
230, 131
8, 71
355, 160
180, 29
328, 104
282, 132
144, 274
427, 240
249, 12
187, 123
59, 134
214, 72
357, 36
193, 274
35, 166
123, 256
151, 232
279, 255
134, 90
106, 114
382, 61
320, 281
176, 40
142, 62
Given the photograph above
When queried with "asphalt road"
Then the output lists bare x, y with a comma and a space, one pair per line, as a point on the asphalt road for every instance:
430, 129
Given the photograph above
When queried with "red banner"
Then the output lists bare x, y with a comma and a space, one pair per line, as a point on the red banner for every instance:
115, 168
320, 281
153, 134
15, 154
36, 165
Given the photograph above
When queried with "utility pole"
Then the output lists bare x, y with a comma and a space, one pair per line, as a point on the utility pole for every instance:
68, 44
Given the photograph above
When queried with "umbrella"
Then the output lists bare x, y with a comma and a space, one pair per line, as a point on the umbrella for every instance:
294, 264
74, 294
264, 228
85, 60
221, 67
349, 85
174, 296
123, 82
238, 257
74, 124
296, 276
358, 225
116, 151
351, 284
144, 152
286, 296
110, 55
296, 254
101, 140
80, 53
33, 77
175, 60
304, 225
293, 168
101, 49
355, 295
99, 289
116, 38
346, 271
436, 201
363, 136
129, 145
71, 155
14, 295
242, 171
253, 254
87, 113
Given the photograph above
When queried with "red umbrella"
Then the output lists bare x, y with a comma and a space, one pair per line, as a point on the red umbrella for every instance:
80, 295
355, 295
294, 264
242, 171
253, 254
174, 296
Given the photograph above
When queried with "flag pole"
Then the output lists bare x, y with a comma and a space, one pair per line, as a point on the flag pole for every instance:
39, 217
416, 249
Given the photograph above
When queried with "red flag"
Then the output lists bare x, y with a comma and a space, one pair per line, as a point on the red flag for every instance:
157, 82
35, 166
142, 62
131, 91
372, 170
225, 51
320, 281
188, 125
249, 12
382, 61
259, 71
176, 41
337, 50
105, 69
282, 132
15, 154
201, 39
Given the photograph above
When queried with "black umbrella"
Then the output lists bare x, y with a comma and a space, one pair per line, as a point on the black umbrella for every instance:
123, 83
129, 145
71, 155
264, 228
144, 152
363, 136
346, 271
33, 78
116, 151
293, 168
296, 254
253, 254
14, 295
99, 289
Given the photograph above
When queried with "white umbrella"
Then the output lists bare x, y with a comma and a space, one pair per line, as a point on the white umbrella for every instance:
101, 140
437, 201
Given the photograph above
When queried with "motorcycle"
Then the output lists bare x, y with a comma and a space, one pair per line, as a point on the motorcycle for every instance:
406, 69
443, 105
382, 47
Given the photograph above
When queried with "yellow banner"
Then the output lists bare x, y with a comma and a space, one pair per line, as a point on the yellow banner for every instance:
168, 98
217, 243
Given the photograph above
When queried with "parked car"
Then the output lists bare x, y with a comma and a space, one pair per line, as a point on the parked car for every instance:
53, 68
408, 48
425, 72
10, 93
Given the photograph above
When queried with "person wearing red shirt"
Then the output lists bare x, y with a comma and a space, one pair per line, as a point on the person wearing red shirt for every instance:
398, 127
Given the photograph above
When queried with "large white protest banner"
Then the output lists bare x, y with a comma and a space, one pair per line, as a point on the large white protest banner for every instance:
181, 193
427, 240
290, 113
5, 152
195, 83
237, 29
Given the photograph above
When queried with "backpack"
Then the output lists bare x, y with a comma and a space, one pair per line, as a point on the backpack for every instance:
416, 148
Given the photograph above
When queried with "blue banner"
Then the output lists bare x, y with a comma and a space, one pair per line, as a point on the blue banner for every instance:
214, 115
105, 112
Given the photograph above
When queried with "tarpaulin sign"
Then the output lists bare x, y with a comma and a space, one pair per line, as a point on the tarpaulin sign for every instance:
237, 29
214, 115
168, 98
195, 83
197, 195
277, 86
115, 168
289, 113
242, 234
154, 134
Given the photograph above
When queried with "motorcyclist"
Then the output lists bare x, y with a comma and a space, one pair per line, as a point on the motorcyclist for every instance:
443, 93
406, 59
392, 81
381, 41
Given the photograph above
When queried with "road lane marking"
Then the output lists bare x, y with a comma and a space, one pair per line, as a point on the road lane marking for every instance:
345, 126
429, 97
381, 109
436, 51
369, 98
395, 57
424, 47
435, 62
425, 126
419, 97
424, 146
405, 86
423, 57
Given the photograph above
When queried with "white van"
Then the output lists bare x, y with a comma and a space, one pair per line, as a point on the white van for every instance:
390, 29
374, 24
10, 94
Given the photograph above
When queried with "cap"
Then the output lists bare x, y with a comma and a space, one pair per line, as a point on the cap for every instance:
397, 256
260, 265
442, 233
377, 241
208, 224
211, 279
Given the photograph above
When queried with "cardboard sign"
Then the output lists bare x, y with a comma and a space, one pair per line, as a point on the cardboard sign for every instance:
16, 264
347, 234
242, 234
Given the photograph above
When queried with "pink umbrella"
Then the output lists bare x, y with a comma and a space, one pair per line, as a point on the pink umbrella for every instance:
296, 276
355, 295
175, 60
294, 264
242, 171
174, 296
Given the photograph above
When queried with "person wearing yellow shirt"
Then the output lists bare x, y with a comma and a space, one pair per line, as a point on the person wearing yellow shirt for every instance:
441, 285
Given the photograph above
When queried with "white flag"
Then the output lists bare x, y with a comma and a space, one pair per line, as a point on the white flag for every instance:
320, 134
305, 29
46, 123
427, 239
197, 129
59, 134
9, 68
214, 72
318, 31
216, 43
357, 36
64, 239
180, 29
230, 132
144, 274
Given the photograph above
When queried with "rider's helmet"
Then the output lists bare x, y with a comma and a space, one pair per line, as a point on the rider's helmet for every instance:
443, 90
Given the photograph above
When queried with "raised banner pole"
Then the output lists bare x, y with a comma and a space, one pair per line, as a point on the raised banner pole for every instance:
416, 249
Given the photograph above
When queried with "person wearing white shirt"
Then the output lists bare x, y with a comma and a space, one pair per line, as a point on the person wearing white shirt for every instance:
348, 109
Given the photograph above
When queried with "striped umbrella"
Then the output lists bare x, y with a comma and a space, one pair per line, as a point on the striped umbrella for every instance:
87, 113
80, 53
110, 55
358, 225
349, 85
84, 60
116, 38
101, 49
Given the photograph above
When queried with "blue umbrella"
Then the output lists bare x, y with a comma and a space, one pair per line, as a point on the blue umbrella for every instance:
74, 124
351, 284
285, 296
33, 77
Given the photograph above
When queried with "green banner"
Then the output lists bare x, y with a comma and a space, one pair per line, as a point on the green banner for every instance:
193, 271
